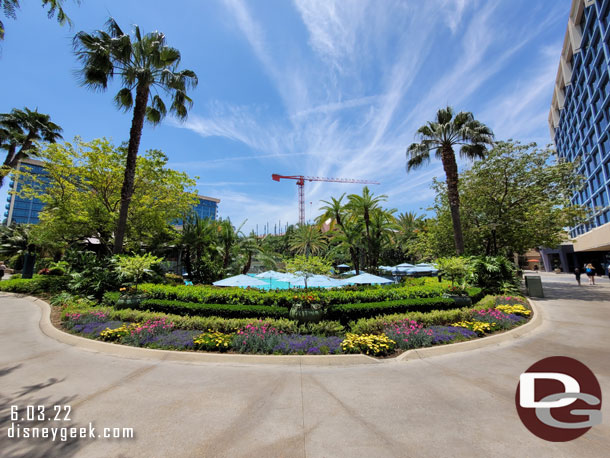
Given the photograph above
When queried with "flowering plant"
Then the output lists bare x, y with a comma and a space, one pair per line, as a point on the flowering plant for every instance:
514, 310
370, 344
481, 328
258, 337
497, 318
308, 345
213, 340
409, 334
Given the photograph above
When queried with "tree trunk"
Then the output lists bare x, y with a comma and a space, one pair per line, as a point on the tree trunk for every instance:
248, 264
187, 263
135, 134
451, 171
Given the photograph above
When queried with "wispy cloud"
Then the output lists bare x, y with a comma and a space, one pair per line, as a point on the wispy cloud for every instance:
354, 94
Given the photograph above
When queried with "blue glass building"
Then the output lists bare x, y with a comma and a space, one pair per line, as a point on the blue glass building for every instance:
579, 121
19, 209
207, 207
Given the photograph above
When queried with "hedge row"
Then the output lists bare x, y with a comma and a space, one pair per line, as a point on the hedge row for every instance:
285, 298
36, 285
221, 310
350, 312
343, 313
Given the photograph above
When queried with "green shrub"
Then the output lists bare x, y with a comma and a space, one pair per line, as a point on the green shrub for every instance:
286, 298
110, 298
349, 312
197, 323
323, 328
495, 274
36, 285
221, 310
430, 318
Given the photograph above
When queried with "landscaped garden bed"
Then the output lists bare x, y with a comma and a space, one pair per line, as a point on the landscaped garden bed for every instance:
381, 336
377, 321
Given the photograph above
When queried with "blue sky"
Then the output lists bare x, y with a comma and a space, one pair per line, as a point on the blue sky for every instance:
322, 88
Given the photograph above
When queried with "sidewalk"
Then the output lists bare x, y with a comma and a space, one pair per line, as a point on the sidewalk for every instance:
458, 405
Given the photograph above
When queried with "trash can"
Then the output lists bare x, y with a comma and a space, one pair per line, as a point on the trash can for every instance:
533, 284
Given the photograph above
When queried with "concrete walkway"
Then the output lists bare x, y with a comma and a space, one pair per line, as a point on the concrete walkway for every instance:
454, 405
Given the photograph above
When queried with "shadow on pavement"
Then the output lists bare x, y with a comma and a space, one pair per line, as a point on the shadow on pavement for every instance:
20, 446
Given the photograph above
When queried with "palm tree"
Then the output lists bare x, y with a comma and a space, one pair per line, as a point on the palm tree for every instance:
362, 207
383, 227
333, 210
441, 136
10, 7
351, 238
145, 65
307, 239
19, 130
198, 237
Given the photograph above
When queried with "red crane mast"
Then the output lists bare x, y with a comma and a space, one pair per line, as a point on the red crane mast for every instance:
300, 179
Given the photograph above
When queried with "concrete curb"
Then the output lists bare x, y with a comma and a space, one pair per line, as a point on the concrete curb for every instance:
312, 360
490, 341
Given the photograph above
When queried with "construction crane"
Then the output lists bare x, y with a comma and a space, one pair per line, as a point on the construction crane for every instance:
300, 179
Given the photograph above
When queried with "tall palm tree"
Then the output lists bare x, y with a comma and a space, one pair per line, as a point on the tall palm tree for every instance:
19, 130
145, 65
362, 206
351, 238
10, 7
441, 136
307, 239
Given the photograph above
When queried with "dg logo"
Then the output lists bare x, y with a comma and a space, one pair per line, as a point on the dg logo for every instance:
559, 399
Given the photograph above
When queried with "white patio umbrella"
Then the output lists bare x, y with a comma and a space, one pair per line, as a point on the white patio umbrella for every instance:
243, 281
269, 274
366, 279
317, 281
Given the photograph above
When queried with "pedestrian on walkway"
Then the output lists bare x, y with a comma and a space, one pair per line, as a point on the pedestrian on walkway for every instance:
577, 275
2, 269
590, 270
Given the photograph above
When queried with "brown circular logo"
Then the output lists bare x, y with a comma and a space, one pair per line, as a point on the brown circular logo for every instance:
559, 399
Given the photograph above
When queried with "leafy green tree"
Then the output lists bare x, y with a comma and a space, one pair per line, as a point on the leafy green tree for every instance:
517, 199
457, 268
82, 194
19, 132
144, 63
362, 206
136, 267
10, 7
308, 266
441, 136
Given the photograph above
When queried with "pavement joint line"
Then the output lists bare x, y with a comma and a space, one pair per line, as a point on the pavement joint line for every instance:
111, 349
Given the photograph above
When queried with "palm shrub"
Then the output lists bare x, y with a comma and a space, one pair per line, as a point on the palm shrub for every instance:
495, 274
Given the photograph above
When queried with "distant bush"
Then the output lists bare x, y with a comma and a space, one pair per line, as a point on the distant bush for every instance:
36, 285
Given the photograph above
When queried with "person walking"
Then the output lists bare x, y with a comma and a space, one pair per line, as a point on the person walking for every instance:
590, 270
577, 275
2, 269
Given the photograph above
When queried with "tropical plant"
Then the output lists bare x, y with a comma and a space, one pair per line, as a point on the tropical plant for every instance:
19, 132
363, 206
441, 136
144, 63
495, 274
15, 241
308, 239
200, 253
10, 7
